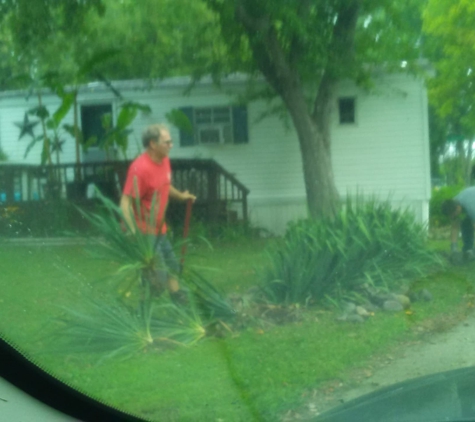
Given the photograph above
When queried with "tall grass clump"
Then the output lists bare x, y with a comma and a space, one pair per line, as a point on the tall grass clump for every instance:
366, 242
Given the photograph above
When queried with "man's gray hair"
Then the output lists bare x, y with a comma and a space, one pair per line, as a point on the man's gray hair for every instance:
152, 132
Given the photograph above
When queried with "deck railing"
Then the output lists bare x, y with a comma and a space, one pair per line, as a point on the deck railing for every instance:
220, 195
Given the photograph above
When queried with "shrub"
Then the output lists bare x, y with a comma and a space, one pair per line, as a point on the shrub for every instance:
439, 195
3, 156
366, 242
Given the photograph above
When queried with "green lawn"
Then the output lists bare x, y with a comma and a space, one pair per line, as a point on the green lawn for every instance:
254, 375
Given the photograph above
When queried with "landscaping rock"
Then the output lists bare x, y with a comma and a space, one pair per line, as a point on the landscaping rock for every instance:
380, 297
342, 318
425, 295
403, 300
355, 318
392, 306
348, 307
413, 296
371, 307
362, 312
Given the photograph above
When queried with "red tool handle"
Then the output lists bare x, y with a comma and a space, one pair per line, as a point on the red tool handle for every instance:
189, 205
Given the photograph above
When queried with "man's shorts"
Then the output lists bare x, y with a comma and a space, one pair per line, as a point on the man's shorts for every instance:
164, 251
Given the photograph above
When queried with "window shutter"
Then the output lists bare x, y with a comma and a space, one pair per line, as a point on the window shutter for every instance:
240, 125
186, 138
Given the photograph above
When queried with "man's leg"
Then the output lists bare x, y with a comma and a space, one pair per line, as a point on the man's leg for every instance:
167, 255
466, 227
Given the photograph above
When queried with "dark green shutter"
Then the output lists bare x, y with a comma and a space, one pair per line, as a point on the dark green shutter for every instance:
187, 138
240, 125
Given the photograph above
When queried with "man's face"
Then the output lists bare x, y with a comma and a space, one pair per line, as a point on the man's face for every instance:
163, 146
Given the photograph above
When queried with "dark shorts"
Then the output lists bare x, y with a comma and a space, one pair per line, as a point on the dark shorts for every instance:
164, 251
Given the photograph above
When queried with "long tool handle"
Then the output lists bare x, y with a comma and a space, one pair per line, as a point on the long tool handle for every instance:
189, 205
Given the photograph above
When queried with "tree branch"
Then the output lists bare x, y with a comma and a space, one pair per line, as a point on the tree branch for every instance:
267, 51
251, 23
343, 42
296, 50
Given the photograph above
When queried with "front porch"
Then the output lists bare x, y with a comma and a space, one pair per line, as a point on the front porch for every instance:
221, 197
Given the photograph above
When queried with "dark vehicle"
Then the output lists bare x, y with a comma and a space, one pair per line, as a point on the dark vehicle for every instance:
446, 396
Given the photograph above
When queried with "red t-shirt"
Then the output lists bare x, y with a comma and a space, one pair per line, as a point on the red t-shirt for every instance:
147, 180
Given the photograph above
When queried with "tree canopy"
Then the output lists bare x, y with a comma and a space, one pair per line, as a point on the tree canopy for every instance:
153, 39
450, 43
303, 49
450, 27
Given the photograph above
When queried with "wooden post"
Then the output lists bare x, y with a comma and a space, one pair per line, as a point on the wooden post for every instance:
213, 210
244, 207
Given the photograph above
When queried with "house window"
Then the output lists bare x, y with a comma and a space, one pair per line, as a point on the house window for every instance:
215, 125
91, 121
93, 131
346, 108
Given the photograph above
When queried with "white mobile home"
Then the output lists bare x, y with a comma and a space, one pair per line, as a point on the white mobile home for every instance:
380, 142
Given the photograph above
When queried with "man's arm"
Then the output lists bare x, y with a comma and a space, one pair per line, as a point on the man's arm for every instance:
181, 196
126, 207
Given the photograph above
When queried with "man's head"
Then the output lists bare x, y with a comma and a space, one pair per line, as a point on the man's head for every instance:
157, 140
451, 208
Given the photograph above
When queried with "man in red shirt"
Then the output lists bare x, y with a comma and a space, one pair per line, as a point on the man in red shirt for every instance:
149, 183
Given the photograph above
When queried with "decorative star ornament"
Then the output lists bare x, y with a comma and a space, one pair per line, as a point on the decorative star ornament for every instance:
26, 127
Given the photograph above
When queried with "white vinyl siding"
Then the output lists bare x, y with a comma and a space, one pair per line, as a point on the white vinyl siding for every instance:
384, 153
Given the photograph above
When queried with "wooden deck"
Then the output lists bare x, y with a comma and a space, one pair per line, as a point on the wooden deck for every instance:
221, 197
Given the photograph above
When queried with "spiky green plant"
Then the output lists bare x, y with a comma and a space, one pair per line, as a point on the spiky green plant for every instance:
107, 328
130, 247
111, 329
367, 241
210, 302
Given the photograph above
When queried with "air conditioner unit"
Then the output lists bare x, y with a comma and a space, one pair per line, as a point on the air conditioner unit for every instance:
216, 134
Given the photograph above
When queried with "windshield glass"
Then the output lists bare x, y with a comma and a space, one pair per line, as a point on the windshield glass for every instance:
238, 210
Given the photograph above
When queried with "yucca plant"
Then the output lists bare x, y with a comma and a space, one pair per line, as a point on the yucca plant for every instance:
210, 302
111, 329
367, 241
107, 328
115, 328
130, 247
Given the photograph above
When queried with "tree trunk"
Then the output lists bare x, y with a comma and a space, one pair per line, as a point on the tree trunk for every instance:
468, 164
281, 71
314, 139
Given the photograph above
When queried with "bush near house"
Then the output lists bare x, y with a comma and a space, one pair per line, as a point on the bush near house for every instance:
3, 156
49, 218
366, 243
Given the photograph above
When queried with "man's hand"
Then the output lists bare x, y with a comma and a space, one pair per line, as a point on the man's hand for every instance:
187, 195
181, 196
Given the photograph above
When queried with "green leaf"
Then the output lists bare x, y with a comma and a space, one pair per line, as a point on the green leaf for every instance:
39, 111
64, 108
180, 120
